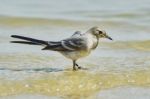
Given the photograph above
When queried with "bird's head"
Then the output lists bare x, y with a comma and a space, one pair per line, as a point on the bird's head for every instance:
99, 33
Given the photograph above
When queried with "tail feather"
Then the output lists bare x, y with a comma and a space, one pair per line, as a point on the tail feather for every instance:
25, 42
29, 40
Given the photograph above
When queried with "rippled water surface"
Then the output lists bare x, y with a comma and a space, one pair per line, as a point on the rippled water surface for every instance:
117, 69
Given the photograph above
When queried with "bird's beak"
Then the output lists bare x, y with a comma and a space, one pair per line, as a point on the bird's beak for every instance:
108, 37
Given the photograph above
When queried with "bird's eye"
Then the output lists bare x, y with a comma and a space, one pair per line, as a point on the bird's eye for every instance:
100, 32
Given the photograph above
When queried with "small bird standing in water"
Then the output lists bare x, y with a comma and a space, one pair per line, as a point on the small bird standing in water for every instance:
77, 46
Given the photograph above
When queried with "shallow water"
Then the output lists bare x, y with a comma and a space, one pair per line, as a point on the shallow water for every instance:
115, 68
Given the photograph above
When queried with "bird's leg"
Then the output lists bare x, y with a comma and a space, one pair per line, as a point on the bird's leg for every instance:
74, 65
79, 67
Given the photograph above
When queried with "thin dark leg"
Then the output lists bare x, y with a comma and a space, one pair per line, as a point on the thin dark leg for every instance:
79, 67
74, 65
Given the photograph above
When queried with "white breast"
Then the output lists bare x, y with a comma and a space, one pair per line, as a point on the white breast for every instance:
91, 41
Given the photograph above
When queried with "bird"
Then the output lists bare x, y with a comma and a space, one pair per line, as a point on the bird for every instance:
77, 46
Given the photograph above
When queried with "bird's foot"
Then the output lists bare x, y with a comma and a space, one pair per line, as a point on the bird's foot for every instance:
79, 67
74, 68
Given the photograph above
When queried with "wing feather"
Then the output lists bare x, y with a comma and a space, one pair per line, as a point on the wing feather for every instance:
71, 44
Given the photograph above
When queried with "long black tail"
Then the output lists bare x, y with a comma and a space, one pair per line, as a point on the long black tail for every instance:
28, 40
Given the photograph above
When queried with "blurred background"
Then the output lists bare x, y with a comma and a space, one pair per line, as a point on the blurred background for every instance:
116, 69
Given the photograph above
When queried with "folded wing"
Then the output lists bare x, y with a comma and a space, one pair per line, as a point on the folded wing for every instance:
71, 44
